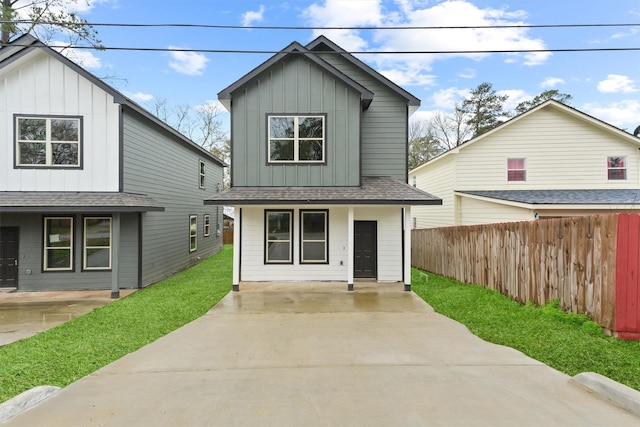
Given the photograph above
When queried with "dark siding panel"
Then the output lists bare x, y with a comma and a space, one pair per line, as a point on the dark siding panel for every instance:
157, 165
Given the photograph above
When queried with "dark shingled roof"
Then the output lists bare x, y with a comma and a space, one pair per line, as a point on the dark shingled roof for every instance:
38, 201
382, 190
564, 197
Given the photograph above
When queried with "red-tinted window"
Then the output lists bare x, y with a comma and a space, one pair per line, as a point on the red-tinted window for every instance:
616, 168
516, 170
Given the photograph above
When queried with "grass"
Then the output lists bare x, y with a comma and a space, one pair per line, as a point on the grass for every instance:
66, 353
568, 342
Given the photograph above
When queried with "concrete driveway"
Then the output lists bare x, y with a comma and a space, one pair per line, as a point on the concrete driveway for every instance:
323, 357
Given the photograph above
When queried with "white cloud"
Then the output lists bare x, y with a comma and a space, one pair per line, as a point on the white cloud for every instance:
616, 83
211, 105
515, 97
447, 98
189, 63
467, 73
551, 82
423, 13
251, 16
623, 114
83, 58
140, 96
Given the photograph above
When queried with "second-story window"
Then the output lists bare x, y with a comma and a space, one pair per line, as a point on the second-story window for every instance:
48, 142
202, 174
297, 139
616, 168
516, 170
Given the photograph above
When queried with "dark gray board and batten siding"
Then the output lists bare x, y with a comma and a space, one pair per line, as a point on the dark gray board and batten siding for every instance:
277, 90
156, 164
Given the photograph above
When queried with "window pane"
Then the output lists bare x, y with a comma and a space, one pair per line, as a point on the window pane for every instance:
515, 164
281, 127
98, 232
313, 251
33, 153
310, 127
278, 251
58, 232
313, 226
616, 162
192, 243
64, 154
279, 225
617, 174
98, 258
64, 130
32, 129
281, 150
58, 258
516, 175
311, 150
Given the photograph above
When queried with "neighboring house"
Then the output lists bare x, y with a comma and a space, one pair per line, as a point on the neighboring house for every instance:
548, 162
319, 169
95, 192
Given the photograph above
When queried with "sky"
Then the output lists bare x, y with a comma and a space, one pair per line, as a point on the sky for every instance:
604, 84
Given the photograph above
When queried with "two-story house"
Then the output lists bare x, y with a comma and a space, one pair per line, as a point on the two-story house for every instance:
551, 161
95, 192
319, 170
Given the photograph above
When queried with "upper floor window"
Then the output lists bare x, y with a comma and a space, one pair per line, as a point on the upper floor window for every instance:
296, 138
48, 141
202, 175
516, 170
616, 168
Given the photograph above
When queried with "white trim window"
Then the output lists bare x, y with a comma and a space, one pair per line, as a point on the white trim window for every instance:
516, 169
278, 237
97, 243
58, 244
296, 139
616, 168
48, 141
193, 232
202, 173
314, 232
207, 225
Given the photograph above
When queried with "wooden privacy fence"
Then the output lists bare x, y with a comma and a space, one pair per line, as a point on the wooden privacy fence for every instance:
589, 263
227, 237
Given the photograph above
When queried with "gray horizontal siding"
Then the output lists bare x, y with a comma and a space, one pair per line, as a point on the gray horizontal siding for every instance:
384, 125
155, 164
295, 86
31, 276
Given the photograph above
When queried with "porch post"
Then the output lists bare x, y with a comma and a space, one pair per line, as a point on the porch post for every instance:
237, 247
350, 245
115, 254
407, 248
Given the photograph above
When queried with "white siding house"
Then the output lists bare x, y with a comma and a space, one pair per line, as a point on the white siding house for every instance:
550, 161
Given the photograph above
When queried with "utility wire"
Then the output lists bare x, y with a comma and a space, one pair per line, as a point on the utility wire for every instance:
264, 27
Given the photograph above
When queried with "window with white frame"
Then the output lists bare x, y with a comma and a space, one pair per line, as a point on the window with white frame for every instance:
314, 232
207, 225
516, 170
58, 244
617, 168
48, 141
278, 232
97, 243
193, 232
296, 138
202, 174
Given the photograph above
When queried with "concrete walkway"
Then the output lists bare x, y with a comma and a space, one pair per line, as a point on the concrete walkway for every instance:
323, 357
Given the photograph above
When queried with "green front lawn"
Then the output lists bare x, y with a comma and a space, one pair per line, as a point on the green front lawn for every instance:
568, 342
66, 353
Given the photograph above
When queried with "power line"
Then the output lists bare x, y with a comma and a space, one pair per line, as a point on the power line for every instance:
265, 27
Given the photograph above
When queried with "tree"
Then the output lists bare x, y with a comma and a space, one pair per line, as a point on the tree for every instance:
46, 19
524, 106
484, 108
450, 129
422, 144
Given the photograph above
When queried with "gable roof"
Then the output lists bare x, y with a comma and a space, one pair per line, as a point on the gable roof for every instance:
550, 104
378, 190
26, 44
312, 52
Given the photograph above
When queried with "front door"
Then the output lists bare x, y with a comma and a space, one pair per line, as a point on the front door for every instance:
365, 249
9, 237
